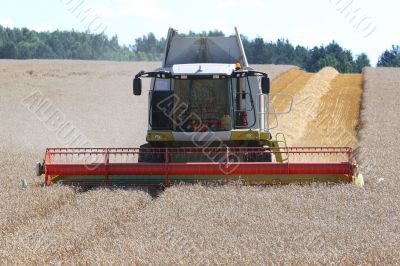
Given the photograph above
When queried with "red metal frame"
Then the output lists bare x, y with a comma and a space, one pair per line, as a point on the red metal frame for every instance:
71, 161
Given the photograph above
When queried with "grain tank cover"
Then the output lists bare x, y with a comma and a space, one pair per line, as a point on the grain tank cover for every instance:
189, 50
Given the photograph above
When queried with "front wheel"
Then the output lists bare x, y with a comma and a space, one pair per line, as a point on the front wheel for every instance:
150, 154
260, 156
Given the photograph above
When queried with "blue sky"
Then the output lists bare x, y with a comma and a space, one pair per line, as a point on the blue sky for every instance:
362, 26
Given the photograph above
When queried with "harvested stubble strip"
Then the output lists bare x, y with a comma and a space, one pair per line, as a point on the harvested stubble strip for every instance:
307, 90
336, 117
326, 107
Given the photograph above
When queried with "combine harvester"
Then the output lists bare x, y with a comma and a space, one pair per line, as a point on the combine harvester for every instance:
209, 122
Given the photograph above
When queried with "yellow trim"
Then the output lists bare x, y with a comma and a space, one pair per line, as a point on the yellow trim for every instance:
278, 155
264, 136
159, 136
248, 134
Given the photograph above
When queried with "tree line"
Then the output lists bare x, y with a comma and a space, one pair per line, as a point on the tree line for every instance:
27, 44
312, 60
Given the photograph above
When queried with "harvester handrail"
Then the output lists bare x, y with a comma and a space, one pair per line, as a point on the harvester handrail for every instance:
244, 149
107, 152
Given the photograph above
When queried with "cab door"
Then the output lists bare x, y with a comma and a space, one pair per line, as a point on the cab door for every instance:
161, 104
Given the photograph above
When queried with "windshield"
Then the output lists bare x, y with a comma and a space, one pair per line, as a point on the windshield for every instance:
202, 105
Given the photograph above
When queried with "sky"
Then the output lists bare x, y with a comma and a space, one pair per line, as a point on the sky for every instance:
361, 26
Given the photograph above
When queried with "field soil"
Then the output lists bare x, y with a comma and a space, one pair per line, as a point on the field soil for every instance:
192, 224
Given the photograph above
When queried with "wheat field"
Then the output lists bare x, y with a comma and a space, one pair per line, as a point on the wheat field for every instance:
190, 224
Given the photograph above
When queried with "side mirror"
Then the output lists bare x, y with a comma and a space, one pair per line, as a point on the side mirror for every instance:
265, 85
137, 86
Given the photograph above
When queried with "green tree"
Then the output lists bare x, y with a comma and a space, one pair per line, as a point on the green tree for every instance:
390, 58
361, 62
328, 60
258, 52
26, 50
9, 50
332, 55
44, 51
302, 56
313, 64
283, 52
149, 44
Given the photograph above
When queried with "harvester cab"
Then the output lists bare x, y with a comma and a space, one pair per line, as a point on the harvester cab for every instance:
206, 94
209, 121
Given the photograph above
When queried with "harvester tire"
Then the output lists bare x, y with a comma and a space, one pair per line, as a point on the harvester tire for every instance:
267, 157
264, 157
146, 157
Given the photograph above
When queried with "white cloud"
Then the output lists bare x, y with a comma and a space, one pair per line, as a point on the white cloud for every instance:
8, 23
240, 3
149, 9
